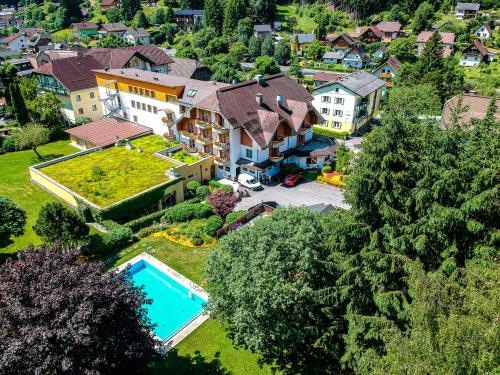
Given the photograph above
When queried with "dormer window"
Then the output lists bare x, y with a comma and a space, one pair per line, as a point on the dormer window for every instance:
192, 93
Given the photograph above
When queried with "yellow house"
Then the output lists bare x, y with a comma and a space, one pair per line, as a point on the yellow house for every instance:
301, 42
73, 81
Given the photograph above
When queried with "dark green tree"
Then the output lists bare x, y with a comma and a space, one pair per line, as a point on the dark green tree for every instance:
57, 223
203, 37
424, 17
315, 50
18, 104
214, 15
244, 30
282, 52
266, 65
12, 219
254, 45
129, 8
235, 11
264, 11
140, 20
403, 49
238, 50
114, 14
8, 72
226, 70
267, 47
217, 46
111, 41
72, 10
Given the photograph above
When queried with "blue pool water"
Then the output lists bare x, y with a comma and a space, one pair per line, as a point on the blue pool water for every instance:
172, 308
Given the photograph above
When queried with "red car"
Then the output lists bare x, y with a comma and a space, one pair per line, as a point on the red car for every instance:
292, 179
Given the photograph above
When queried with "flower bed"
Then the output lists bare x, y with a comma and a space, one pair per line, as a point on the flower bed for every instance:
332, 178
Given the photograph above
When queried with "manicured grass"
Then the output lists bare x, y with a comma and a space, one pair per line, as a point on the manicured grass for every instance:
185, 158
110, 175
15, 184
207, 350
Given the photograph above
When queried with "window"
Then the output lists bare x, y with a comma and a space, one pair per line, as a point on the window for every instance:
338, 100
78, 98
337, 89
94, 107
153, 94
147, 93
135, 119
80, 111
336, 125
149, 108
136, 91
325, 99
155, 110
204, 116
143, 106
192, 93
170, 98
338, 112
132, 102
324, 123
249, 153
325, 111
130, 89
91, 95
141, 92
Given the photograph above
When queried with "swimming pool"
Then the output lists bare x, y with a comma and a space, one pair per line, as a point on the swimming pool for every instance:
174, 305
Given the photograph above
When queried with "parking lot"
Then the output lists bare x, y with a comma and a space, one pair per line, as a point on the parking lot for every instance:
306, 193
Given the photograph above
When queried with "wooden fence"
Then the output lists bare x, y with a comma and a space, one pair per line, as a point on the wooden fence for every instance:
258, 210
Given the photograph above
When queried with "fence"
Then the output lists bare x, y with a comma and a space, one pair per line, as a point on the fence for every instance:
239, 222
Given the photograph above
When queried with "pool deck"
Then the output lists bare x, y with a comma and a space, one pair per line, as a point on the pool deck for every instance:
185, 282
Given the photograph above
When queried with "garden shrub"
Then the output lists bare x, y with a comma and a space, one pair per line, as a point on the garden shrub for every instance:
290, 168
146, 221
187, 211
202, 192
196, 240
227, 188
117, 238
212, 225
8, 144
214, 184
145, 232
330, 133
326, 169
192, 186
193, 200
234, 215
110, 224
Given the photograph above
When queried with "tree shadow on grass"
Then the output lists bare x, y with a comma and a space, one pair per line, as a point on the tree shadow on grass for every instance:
195, 364
47, 157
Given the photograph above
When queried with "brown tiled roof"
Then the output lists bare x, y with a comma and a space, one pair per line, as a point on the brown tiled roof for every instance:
394, 63
185, 67
346, 37
475, 107
326, 76
113, 27
108, 3
446, 38
28, 32
115, 58
84, 25
103, 132
74, 73
375, 30
239, 106
389, 26
481, 48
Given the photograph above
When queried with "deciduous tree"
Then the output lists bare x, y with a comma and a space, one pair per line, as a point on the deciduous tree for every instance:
222, 202
235, 11
12, 218
129, 8
31, 137
266, 65
282, 52
214, 15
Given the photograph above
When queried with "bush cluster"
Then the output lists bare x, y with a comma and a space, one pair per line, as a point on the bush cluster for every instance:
326, 169
335, 180
331, 133
202, 192
187, 211
217, 185
234, 215
101, 244
192, 186
146, 221
212, 225
145, 232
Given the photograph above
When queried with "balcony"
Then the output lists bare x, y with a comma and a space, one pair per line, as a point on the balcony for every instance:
187, 135
169, 137
219, 129
221, 145
385, 75
304, 130
222, 160
278, 142
203, 140
200, 124
168, 121
389, 84
277, 157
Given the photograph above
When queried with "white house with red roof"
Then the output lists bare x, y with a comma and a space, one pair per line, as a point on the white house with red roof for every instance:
475, 54
20, 41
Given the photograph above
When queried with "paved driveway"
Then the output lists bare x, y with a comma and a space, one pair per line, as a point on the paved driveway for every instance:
304, 194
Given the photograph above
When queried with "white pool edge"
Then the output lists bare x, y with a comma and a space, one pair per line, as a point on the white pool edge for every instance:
185, 282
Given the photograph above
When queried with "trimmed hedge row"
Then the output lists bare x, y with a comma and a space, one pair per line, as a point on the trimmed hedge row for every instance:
146, 221
331, 133
187, 211
101, 244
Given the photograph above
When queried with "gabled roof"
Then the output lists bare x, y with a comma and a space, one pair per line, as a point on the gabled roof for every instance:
378, 33
74, 73
137, 33
483, 51
303, 38
446, 38
486, 27
182, 67
333, 55
392, 61
389, 26
26, 32
361, 83
326, 76
344, 36
190, 12
238, 104
114, 58
113, 27
262, 28
84, 25
468, 6
475, 107
103, 132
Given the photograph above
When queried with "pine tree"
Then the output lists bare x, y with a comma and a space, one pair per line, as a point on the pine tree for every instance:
18, 104
214, 15
129, 8
267, 47
235, 11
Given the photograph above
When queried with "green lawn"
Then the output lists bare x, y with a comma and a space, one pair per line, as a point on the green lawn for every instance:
15, 184
115, 173
207, 350
185, 158
305, 24
484, 79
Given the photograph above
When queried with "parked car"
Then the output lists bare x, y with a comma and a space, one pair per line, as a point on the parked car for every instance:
292, 179
249, 181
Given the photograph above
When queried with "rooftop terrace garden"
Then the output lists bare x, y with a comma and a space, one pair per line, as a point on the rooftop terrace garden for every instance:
110, 175
185, 157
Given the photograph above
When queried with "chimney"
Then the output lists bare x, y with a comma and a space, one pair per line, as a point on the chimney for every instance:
279, 100
259, 99
260, 79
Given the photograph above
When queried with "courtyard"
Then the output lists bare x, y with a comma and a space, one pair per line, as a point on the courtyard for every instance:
306, 193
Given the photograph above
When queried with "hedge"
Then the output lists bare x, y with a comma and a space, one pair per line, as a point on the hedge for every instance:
330, 133
146, 221
232, 216
187, 211
212, 225
217, 185
100, 244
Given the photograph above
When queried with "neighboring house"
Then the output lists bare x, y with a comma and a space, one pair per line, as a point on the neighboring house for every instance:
39, 42
347, 52
484, 32
20, 41
6, 18
341, 43
300, 42
84, 29
189, 68
117, 29
347, 104
262, 31
321, 78
136, 37
447, 42
23, 65
355, 58
390, 30
255, 126
371, 35
186, 18
106, 4
332, 57
64, 52
475, 54
387, 71
380, 52
466, 10
73, 81
473, 107
148, 57
151, 99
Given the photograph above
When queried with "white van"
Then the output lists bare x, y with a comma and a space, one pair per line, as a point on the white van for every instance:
249, 181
